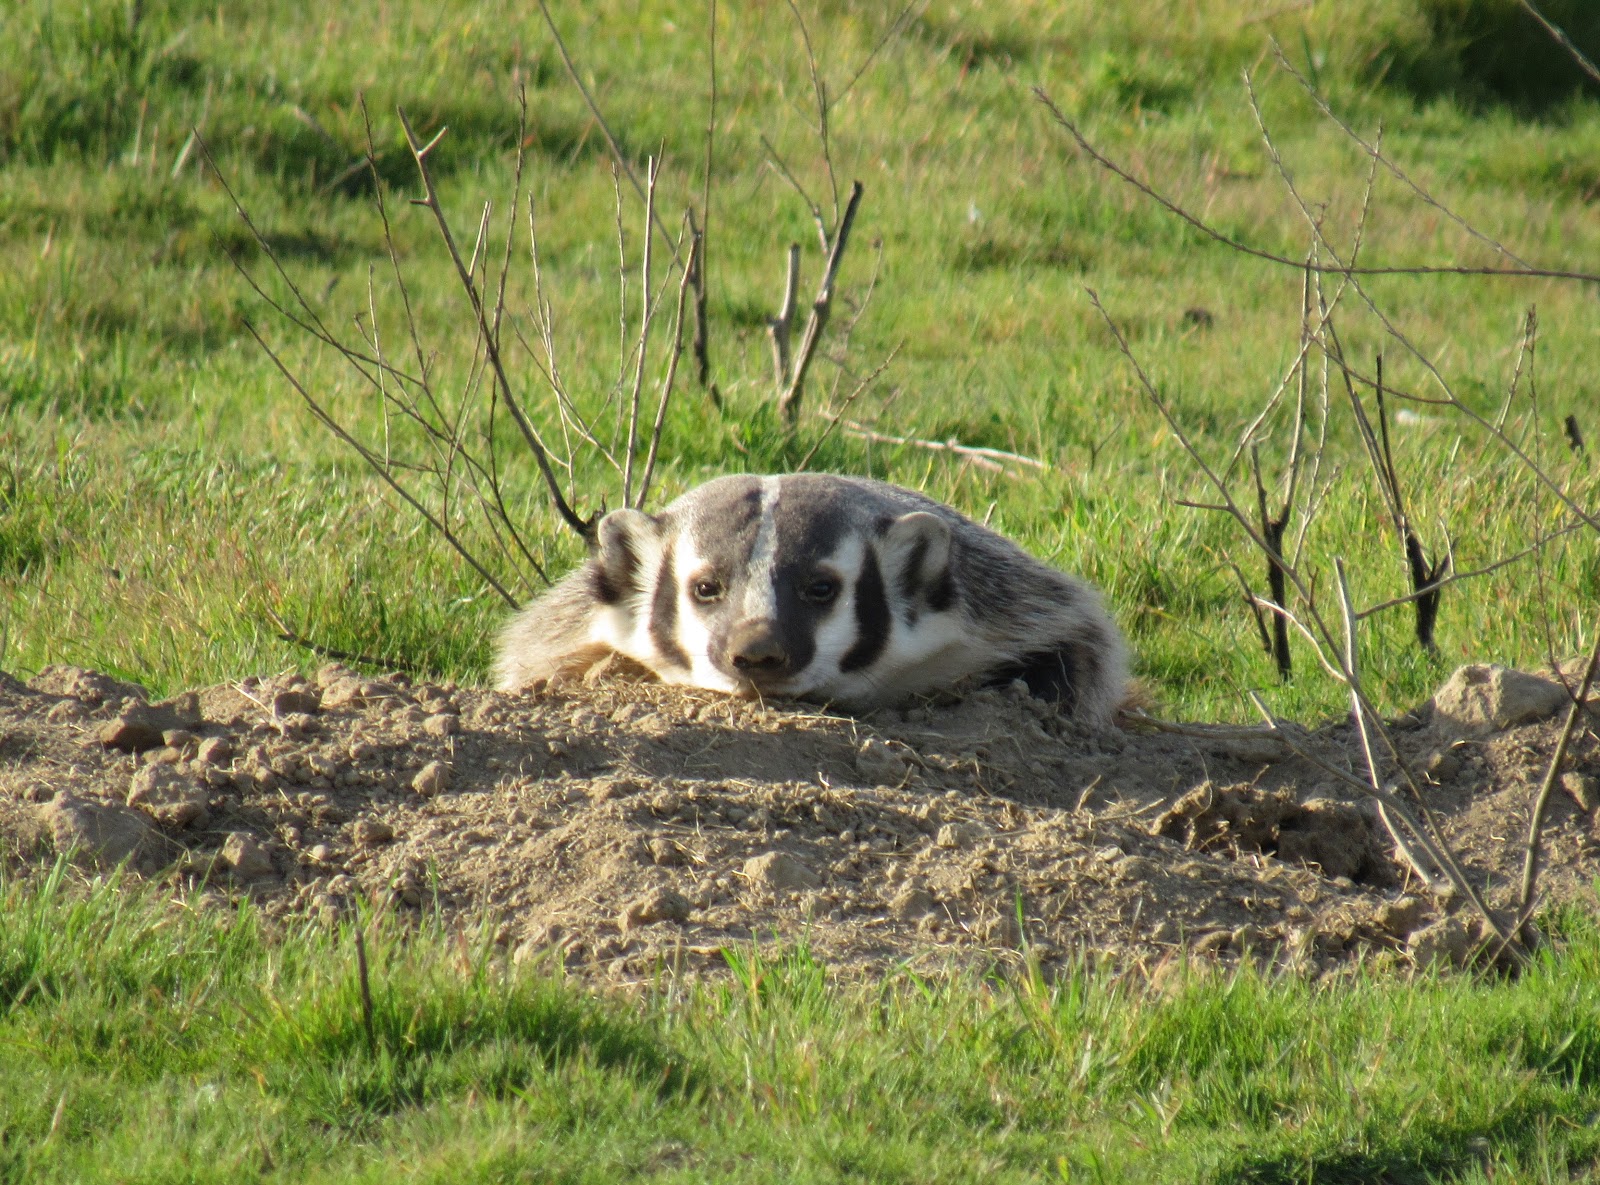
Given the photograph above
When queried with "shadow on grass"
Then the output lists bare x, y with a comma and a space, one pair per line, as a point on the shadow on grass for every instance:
445, 1022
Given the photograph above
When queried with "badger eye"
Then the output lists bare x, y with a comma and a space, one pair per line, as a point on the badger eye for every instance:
820, 591
707, 590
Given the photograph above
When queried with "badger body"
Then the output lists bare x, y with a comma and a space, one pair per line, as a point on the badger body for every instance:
822, 587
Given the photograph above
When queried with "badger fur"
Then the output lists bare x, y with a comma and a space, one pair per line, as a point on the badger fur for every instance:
839, 589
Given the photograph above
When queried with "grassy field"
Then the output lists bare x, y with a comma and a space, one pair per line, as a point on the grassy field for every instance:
165, 491
143, 1041
165, 497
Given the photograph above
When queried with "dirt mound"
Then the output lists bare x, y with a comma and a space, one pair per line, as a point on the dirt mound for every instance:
626, 826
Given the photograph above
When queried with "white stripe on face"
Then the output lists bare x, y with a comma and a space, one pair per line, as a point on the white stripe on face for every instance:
692, 633
760, 595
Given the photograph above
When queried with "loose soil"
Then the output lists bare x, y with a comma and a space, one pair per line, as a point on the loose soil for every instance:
626, 828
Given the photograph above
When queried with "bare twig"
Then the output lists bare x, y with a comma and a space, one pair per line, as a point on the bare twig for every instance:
1272, 530
834, 419
781, 326
701, 234
894, 28
1250, 599
1541, 802
419, 152
702, 333
646, 312
821, 308
659, 426
292, 636
1375, 151
1350, 668
599, 119
819, 90
382, 469
1525, 354
1453, 577
992, 459
1561, 37
775, 159
1425, 575
1335, 268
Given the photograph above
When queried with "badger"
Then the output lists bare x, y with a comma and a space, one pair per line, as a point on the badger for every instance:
821, 587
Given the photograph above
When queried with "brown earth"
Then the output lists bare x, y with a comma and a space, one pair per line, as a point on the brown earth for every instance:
625, 826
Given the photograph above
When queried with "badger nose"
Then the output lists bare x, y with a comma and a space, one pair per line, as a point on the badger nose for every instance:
754, 647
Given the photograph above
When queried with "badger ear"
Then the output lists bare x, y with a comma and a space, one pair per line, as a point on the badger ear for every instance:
623, 541
916, 553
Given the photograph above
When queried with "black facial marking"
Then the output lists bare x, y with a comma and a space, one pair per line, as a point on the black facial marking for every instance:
872, 617
726, 533
664, 614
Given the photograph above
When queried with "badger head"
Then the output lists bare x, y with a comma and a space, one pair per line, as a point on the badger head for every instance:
803, 585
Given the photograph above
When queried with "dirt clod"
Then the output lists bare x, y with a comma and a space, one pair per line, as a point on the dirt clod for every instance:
371, 833
659, 905
778, 871
246, 858
169, 797
134, 731
431, 779
1483, 698
101, 833
1447, 942
880, 765
1583, 788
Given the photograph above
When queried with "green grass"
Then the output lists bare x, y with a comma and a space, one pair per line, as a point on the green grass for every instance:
166, 493
145, 1039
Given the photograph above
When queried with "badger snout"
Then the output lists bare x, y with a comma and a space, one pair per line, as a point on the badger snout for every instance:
755, 650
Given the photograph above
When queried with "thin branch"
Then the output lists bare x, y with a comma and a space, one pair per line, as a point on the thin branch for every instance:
781, 326
992, 459
293, 637
778, 163
895, 26
1340, 269
1541, 802
821, 308
645, 314
1375, 151
835, 419
819, 89
1446, 581
381, 469
695, 246
594, 110
702, 234
1272, 530
584, 528
1561, 37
